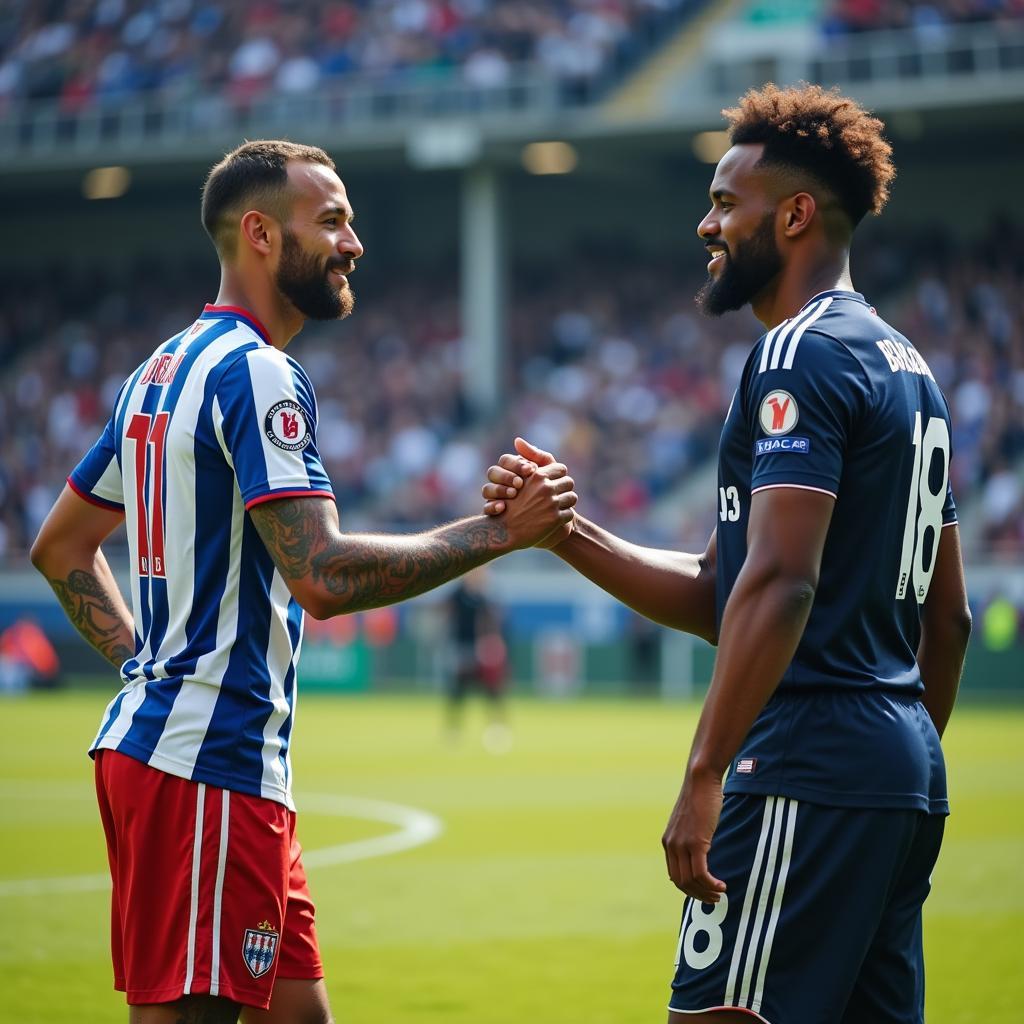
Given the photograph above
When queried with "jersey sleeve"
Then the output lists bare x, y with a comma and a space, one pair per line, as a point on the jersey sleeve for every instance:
97, 478
803, 412
949, 516
264, 413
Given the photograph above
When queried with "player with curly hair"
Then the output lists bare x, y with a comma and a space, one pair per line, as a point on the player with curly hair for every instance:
834, 587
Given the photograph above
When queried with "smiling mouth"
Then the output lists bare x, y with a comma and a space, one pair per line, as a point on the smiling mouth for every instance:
717, 255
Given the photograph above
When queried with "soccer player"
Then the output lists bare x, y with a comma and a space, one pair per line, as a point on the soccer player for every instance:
210, 459
479, 660
834, 587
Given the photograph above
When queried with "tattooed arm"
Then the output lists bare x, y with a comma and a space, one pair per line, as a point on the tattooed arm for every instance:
67, 552
330, 572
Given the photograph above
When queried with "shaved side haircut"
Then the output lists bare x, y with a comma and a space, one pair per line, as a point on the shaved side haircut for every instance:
826, 136
253, 176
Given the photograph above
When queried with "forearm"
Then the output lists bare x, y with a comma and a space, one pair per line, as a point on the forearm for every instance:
761, 629
670, 587
352, 572
90, 597
940, 657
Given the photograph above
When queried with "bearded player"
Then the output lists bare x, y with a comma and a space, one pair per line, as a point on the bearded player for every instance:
834, 587
210, 458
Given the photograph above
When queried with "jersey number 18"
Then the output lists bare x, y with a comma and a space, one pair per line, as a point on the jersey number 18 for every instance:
924, 508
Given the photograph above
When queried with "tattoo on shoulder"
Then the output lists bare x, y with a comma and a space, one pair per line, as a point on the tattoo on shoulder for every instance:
292, 529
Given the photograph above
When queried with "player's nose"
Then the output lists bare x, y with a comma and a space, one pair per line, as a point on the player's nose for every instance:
349, 244
709, 226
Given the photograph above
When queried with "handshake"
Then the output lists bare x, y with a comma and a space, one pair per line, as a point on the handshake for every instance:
533, 496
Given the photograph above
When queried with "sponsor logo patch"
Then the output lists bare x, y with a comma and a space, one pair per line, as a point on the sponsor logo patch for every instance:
285, 426
767, 445
746, 765
259, 947
778, 413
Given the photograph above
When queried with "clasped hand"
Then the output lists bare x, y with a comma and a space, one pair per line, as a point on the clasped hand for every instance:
509, 477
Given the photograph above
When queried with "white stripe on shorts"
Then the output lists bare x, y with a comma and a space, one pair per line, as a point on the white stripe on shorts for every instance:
780, 888
193, 913
753, 946
754, 950
218, 891
755, 871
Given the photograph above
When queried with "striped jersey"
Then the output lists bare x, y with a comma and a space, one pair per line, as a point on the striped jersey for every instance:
216, 421
835, 400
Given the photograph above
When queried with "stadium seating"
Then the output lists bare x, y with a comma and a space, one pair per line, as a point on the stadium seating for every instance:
84, 55
928, 18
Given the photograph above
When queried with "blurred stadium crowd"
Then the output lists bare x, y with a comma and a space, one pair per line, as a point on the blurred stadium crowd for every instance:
930, 19
627, 383
85, 53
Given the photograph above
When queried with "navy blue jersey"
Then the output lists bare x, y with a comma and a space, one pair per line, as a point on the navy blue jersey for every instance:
835, 400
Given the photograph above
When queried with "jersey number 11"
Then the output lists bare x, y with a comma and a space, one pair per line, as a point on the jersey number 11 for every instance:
149, 434
924, 508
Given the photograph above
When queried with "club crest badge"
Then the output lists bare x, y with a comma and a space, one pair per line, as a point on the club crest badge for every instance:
259, 948
778, 413
285, 426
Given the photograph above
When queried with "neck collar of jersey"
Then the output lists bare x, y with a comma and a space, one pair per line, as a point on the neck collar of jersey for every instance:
835, 293
211, 312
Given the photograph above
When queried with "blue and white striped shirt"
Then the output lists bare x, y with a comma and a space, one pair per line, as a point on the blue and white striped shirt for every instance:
215, 422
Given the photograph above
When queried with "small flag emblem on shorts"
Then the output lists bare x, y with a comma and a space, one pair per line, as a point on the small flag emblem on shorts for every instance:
746, 765
259, 947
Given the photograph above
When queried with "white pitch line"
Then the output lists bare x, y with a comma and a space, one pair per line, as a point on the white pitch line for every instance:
415, 828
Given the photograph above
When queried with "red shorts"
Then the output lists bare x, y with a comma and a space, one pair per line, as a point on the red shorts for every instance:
210, 894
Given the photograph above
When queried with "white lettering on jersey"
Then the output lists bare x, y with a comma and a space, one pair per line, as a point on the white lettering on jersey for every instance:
903, 357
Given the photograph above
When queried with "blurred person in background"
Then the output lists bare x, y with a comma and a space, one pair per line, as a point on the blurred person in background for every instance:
210, 458
27, 658
834, 588
479, 660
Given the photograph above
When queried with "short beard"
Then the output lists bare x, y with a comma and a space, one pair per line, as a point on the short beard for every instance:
305, 282
746, 273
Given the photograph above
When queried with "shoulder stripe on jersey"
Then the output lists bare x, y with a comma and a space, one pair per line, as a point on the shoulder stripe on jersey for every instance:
768, 342
795, 324
775, 340
794, 341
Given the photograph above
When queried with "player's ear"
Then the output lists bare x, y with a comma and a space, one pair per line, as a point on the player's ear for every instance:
798, 212
258, 231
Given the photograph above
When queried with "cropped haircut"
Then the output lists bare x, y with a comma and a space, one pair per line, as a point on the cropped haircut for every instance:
253, 176
822, 133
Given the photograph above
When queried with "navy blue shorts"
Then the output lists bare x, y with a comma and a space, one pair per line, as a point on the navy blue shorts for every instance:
821, 923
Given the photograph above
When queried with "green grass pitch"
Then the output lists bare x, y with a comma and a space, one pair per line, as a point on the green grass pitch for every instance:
544, 898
